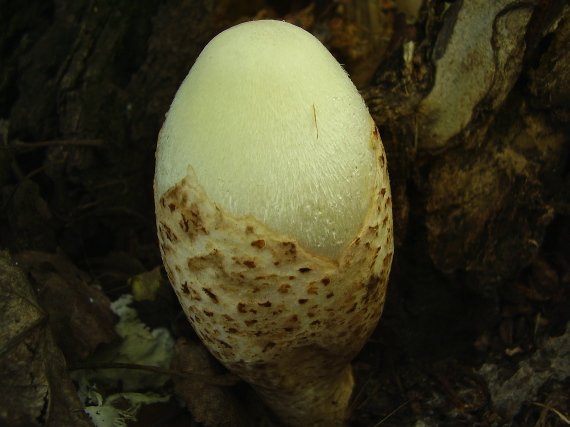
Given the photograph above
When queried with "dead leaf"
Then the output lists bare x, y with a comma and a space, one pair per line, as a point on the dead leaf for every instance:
210, 404
80, 315
146, 285
34, 385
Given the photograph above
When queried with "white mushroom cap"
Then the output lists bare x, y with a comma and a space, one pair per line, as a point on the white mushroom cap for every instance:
273, 128
274, 216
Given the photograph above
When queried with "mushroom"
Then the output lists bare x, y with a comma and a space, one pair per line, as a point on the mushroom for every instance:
274, 216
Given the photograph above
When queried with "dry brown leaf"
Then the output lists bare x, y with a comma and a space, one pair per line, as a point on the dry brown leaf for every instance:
80, 315
210, 404
34, 385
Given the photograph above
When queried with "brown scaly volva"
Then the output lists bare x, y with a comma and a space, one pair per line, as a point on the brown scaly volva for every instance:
286, 321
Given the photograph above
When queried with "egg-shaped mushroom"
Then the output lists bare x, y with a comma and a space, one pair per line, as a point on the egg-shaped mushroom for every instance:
274, 216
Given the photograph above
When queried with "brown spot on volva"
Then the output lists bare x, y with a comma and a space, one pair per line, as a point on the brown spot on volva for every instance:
382, 192
212, 295
371, 286
195, 295
268, 346
330, 295
232, 330
315, 323
264, 304
230, 318
171, 206
242, 308
326, 281
225, 344
305, 269
389, 238
167, 233
260, 244
303, 300
208, 313
288, 329
373, 260
249, 229
249, 264
184, 224
352, 308
294, 318
290, 249
310, 314
250, 322
312, 290
192, 215
185, 288
387, 261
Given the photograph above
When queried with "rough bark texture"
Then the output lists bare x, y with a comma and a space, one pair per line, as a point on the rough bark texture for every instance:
485, 151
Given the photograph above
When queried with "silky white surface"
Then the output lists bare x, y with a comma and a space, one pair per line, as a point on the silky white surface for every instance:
273, 128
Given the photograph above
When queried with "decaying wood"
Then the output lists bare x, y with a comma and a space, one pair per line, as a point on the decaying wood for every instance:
487, 160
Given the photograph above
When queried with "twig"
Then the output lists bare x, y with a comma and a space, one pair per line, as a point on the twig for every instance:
392, 413
225, 380
548, 407
78, 142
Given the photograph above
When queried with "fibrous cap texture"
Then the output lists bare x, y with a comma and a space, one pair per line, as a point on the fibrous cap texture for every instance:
273, 128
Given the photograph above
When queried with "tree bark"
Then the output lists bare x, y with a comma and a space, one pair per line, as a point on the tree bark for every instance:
475, 122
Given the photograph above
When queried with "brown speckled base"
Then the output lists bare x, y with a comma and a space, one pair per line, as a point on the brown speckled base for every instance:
285, 320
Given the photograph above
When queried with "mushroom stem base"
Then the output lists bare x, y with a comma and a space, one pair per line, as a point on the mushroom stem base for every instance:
317, 402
